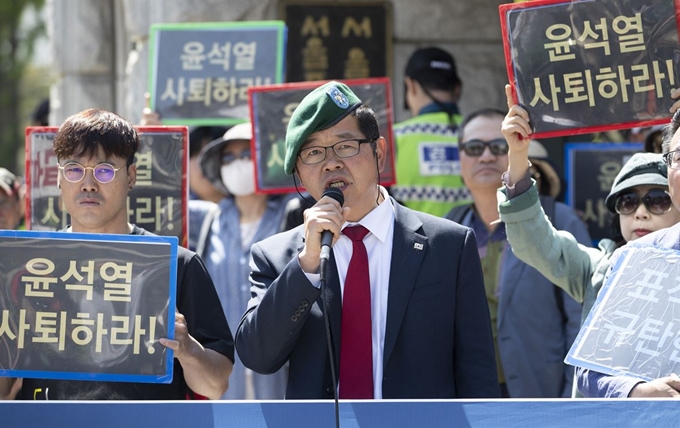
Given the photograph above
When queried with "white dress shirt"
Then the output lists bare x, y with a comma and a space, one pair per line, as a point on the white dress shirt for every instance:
380, 224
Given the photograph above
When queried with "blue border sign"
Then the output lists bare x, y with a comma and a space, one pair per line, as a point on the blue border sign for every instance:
82, 306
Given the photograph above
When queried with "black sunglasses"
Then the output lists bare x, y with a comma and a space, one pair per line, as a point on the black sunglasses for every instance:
476, 147
656, 201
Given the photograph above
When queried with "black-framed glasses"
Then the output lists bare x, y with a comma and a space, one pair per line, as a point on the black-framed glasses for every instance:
476, 147
672, 159
228, 158
75, 172
657, 201
342, 149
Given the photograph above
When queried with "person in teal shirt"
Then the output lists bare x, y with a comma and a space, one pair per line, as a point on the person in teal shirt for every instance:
575, 268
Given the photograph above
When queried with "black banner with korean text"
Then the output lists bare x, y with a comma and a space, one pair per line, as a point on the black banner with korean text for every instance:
199, 73
87, 306
337, 40
157, 203
271, 108
590, 169
589, 66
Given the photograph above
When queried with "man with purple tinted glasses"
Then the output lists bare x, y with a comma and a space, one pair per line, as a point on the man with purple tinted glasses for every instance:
95, 150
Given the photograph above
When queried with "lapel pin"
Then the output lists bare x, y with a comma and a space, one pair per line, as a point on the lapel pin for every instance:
418, 246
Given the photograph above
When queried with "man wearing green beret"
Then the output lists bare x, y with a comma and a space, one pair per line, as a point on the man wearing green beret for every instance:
404, 293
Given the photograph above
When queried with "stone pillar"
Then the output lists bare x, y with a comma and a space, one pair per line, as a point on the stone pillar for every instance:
82, 43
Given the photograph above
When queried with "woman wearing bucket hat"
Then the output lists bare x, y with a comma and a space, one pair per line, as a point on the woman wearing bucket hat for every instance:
639, 202
224, 234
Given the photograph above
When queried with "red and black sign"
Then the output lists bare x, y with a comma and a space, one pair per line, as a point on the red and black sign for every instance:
589, 66
271, 108
157, 203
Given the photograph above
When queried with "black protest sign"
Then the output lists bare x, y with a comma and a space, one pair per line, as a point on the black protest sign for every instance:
337, 40
157, 202
590, 171
271, 108
589, 66
87, 306
200, 72
633, 327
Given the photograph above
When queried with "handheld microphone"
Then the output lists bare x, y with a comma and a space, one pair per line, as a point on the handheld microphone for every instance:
327, 235
326, 241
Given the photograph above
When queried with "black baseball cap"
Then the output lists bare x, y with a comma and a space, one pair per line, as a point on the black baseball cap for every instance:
434, 67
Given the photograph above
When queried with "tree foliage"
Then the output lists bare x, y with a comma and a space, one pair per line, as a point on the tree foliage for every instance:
16, 50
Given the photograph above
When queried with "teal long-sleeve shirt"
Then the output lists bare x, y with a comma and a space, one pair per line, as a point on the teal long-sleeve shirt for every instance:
577, 269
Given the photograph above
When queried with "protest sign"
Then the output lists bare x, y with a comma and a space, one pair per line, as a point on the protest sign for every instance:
199, 73
271, 108
348, 40
589, 66
157, 203
633, 327
590, 169
87, 306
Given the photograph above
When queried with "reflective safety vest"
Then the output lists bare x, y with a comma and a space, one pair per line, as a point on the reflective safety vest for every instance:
427, 164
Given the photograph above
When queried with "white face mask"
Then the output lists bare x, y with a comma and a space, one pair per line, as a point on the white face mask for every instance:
238, 177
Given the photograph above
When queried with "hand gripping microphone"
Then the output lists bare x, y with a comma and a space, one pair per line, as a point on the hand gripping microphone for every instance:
327, 235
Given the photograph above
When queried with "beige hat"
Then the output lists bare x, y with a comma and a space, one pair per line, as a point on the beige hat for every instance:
538, 156
642, 169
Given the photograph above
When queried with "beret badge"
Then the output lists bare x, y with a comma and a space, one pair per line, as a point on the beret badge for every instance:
338, 97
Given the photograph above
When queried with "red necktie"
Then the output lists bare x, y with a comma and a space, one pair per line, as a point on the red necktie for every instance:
356, 350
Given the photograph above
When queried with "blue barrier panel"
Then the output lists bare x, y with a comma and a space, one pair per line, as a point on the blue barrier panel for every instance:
568, 413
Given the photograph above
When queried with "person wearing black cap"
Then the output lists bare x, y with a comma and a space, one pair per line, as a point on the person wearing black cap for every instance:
427, 163
642, 209
405, 299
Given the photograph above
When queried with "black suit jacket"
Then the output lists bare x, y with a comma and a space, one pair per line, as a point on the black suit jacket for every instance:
438, 341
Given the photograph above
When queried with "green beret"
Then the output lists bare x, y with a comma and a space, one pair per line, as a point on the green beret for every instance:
320, 109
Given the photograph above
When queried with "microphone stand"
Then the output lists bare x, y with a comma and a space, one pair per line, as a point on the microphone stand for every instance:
323, 269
